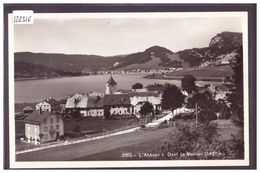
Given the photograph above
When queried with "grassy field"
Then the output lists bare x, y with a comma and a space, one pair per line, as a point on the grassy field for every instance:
133, 152
205, 73
226, 129
90, 124
152, 146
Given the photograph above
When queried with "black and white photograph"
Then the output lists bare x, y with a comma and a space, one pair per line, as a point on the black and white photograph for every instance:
129, 89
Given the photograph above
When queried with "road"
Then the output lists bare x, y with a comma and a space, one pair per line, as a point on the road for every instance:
169, 116
80, 150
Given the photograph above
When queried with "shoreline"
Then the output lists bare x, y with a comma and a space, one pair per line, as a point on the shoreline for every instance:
43, 78
179, 78
148, 76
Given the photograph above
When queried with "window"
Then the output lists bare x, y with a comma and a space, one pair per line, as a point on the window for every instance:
57, 119
51, 120
57, 127
45, 129
45, 121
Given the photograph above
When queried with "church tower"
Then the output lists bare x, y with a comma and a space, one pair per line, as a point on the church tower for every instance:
111, 86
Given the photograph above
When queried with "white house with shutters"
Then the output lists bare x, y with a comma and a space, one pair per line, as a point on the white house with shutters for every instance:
49, 104
43, 126
139, 98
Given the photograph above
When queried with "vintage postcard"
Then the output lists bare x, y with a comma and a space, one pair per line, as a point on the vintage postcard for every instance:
139, 89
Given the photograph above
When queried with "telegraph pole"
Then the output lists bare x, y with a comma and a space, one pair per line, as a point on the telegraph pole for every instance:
196, 113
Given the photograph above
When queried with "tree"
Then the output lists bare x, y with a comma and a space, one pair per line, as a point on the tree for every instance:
75, 113
206, 115
201, 138
223, 109
107, 112
172, 98
137, 86
206, 106
188, 83
146, 109
41, 136
236, 97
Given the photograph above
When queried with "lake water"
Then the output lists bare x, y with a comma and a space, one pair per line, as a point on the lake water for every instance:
34, 90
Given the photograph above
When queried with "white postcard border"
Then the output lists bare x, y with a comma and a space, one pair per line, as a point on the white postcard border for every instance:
102, 164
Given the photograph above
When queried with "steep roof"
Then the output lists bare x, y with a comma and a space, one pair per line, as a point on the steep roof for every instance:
116, 99
139, 97
77, 101
111, 81
51, 101
28, 108
95, 102
123, 91
36, 117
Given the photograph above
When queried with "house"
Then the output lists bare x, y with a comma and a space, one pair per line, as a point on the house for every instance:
123, 91
221, 92
77, 102
137, 100
117, 104
43, 126
95, 94
95, 106
111, 86
140, 90
49, 104
28, 110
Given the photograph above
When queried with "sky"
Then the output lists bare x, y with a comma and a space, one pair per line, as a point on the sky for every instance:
117, 36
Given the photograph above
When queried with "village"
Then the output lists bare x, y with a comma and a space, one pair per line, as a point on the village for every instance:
45, 123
